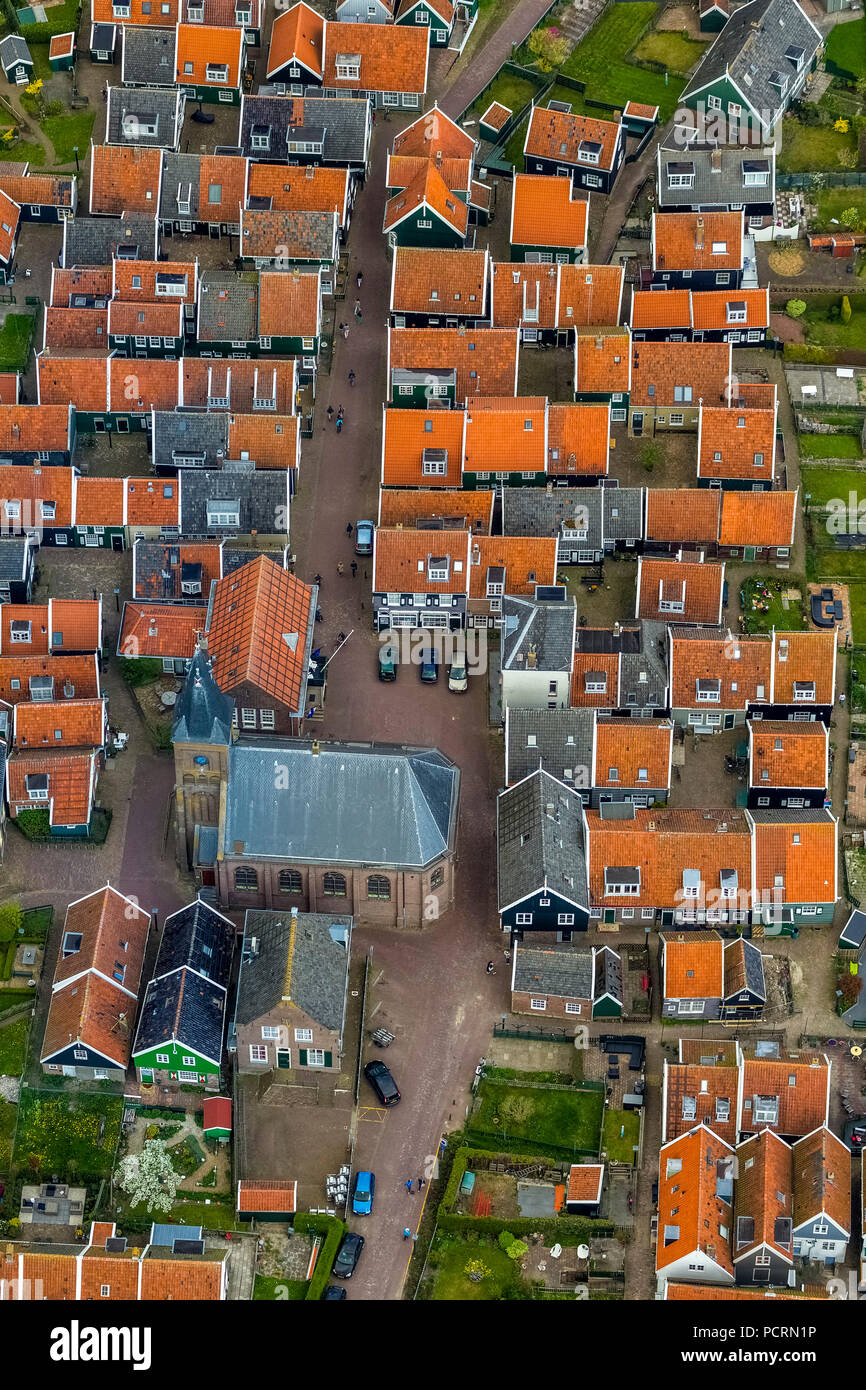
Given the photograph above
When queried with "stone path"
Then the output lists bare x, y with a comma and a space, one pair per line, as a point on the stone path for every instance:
495, 51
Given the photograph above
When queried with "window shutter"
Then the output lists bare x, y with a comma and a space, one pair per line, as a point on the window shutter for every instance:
302, 1056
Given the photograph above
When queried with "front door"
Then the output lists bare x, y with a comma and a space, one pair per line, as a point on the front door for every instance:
729, 721
609, 915
117, 542
749, 553
637, 424
284, 1058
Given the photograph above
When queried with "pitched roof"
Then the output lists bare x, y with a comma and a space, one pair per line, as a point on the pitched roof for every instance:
690, 1293
547, 211
718, 173
538, 850
124, 179
10, 216
300, 962
305, 234
665, 845
313, 188
559, 740
40, 190
105, 919
693, 966
565, 971
524, 560
696, 586
297, 34
402, 560
76, 328
204, 46
740, 664
99, 501
148, 280
602, 360
203, 713
755, 50
785, 753
763, 1197
658, 368
578, 439
485, 359
345, 124
698, 241
557, 135
392, 58
795, 856
427, 189
504, 441
434, 135
695, 1200
744, 970
139, 320
756, 518
799, 1083
632, 746
822, 1178
289, 304
69, 779
589, 295
523, 294
685, 514
801, 658
259, 631
270, 441
80, 724
241, 380
584, 1182
543, 627
702, 1088
83, 381
222, 183
407, 434
151, 503
160, 567
672, 309
160, 630
735, 443
432, 281
711, 308
71, 676
146, 116
32, 485
36, 427
277, 1194
449, 509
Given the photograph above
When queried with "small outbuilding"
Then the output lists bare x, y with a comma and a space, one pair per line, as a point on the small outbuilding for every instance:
854, 932
16, 60
583, 1194
218, 1118
273, 1199
61, 52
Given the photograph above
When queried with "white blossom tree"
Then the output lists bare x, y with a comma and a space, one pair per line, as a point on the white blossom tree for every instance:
148, 1178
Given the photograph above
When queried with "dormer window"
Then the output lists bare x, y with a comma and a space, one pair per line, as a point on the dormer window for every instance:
195, 13
796, 56
691, 883
217, 72
349, 66
20, 631
595, 683
260, 137
720, 248
736, 312
779, 81
589, 152
37, 786
804, 690
437, 569
681, 175
708, 691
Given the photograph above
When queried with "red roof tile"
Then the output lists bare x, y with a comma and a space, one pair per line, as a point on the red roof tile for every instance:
297, 34
485, 359
557, 135
124, 178
76, 328
602, 360
79, 723
30, 487
526, 561
200, 47
756, 518
788, 753
392, 58
259, 631
160, 630
547, 211
679, 591
401, 561
693, 1218
685, 514
735, 443
69, 778
431, 281
658, 369
698, 241
405, 439
693, 966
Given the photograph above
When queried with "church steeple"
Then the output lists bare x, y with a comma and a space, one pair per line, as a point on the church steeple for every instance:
203, 713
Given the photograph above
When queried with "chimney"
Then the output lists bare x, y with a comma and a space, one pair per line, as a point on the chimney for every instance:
699, 234
716, 160
531, 659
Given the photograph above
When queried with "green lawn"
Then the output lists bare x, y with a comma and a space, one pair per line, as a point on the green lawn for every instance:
621, 1134
830, 446
811, 147
774, 614
66, 131
11, 999
846, 47
8, 1114
32, 152
826, 484
450, 1255
514, 148
35, 922
600, 61
60, 1130
562, 1121
13, 1047
677, 52
833, 563
857, 599
508, 89
15, 342
41, 65
279, 1290
827, 331
832, 202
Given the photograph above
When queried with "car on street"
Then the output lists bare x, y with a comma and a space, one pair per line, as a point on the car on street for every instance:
429, 668
855, 1135
387, 662
348, 1255
365, 1190
363, 538
457, 679
333, 1294
382, 1082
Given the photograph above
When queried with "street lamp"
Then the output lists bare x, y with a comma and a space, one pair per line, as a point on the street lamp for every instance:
77, 165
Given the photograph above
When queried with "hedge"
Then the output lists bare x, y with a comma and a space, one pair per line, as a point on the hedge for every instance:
461, 1163
797, 352
567, 1230
333, 1230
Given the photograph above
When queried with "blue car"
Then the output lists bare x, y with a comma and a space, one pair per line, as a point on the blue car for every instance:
362, 1198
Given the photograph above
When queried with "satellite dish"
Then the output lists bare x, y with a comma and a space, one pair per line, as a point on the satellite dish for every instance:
582, 1252
555, 1252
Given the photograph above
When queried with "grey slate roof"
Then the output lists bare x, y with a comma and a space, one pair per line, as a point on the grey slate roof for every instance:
13, 557
644, 673
13, 49
148, 55
126, 108
623, 513
305, 235
199, 937
96, 240
203, 714
721, 186
564, 971
261, 494
344, 120
608, 974
180, 171
190, 432
852, 937
548, 627
536, 850
375, 806
187, 1008
753, 46
228, 309
753, 972
561, 741
530, 511
305, 956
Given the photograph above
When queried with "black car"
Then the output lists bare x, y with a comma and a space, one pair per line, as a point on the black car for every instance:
382, 1082
855, 1135
333, 1295
348, 1256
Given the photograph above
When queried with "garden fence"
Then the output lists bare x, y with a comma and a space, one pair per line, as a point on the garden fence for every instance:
516, 1030
818, 178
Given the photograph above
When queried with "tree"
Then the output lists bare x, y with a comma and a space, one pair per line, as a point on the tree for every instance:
475, 1271
10, 921
148, 1178
516, 1250
650, 455
845, 313
795, 308
850, 219
549, 47
846, 158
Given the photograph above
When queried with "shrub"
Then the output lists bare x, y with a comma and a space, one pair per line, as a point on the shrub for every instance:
650, 455
10, 921
506, 1239
795, 308
845, 311
333, 1230
549, 48
516, 1250
846, 158
850, 219
36, 825
140, 670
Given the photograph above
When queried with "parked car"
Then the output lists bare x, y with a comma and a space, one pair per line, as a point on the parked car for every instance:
429, 668
382, 1082
203, 117
333, 1294
365, 1190
348, 1255
457, 679
387, 662
363, 538
855, 1135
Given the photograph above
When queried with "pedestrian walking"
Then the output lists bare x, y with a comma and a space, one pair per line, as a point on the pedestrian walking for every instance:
354, 568
330, 413
420, 1183
360, 278
339, 566
345, 330
341, 636
406, 1233
319, 618
342, 326
317, 579
339, 424
348, 528
408, 1184
351, 378
507, 955
490, 968
357, 308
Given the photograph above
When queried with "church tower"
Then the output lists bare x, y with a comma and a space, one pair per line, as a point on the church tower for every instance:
201, 735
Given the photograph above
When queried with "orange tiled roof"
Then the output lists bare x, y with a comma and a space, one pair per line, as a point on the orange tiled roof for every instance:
99, 501
689, 1205
584, 1182
756, 518
90, 1012
546, 211
258, 631
406, 436
71, 783
712, 1085
804, 656
190, 1280
661, 844
103, 12
75, 624
822, 1178
791, 753
736, 443
199, 46
686, 241
524, 294
100, 1271
603, 359
288, 304
392, 59
299, 33
139, 384
485, 359
9, 388
80, 724
222, 174
741, 664
61, 45
557, 135
36, 614
403, 169
105, 919
32, 485
55, 1274
588, 664
39, 190
684, 514
81, 380
274, 1194
149, 585
153, 502
710, 308
698, 586
36, 427
428, 189
652, 309
589, 295
763, 1191
100, 1232
310, 189
400, 561
795, 858
641, 110
705, 367
76, 328
693, 966
632, 746
136, 280
527, 561
95, 280
496, 115
503, 441
690, 1293
10, 216
801, 1081
243, 380
271, 441
578, 439
405, 508
124, 178
142, 319
428, 280
434, 135
160, 629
